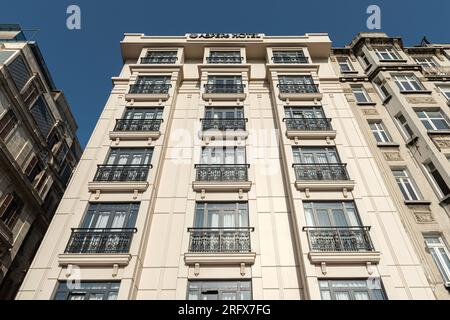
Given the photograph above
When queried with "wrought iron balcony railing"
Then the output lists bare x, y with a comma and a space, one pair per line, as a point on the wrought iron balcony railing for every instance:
308, 124
281, 59
118, 173
339, 239
138, 124
224, 88
220, 240
298, 88
222, 172
159, 60
223, 124
91, 241
327, 171
224, 59
150, 88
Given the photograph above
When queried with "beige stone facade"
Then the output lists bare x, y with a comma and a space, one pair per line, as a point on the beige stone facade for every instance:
262, 183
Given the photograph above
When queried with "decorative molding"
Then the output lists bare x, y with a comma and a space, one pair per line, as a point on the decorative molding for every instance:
71, 259
214, 258
417, 100
362, 257
370, 112
392, 156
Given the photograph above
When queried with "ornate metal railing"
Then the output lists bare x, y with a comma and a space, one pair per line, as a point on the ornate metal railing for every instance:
219, 240
298, 88
222, 172
138, 124
311, 171
100, 240
308, 124
159, 60
118, 173
223, 124
282, 59
224, 59
224, 88
339, 239
150, 88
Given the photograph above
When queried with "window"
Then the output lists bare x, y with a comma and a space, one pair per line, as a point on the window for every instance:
219, 290
223, 155
289, 57
408, 83
440, 184
406, 184
33, 168
7, 124
224, 57
221, 215
303, 112
160, 57
365, 61
426, 62
433, 120
381, 88
143, 113
440, 254
87, 291
360, 94
224, 84
379, 132
151, 85
352, 289
344, 64
301, 80
42, 116
315, 155
331, 214
387, 53
10, 207
224, 113
445, 91
129, 157
140, 119
142, 80
404, 126
110, 216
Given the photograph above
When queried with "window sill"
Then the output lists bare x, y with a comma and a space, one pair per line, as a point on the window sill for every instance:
368, 103
81, 259
415, 91
417, 202
392, 60
388, 144
350, 72
346, 257
221, 186
443, 131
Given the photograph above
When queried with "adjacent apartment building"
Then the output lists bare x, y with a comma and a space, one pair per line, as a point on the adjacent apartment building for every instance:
238, 166
38, 150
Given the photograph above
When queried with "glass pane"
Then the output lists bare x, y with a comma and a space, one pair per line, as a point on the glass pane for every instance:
361, 295
341, 295
322, 218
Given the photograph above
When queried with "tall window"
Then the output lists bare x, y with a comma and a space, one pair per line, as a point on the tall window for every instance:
160, 57
110, 216
360, 94
10, 208
219, 290
297, 56
87, 291
426, 62
439, 251
387, 53
129, 157
224, 57
7, 123
223, 155
331, 214
408, 83
42, 116
352, 289
440, 184
445, 91
224, 84
305, 80
143, 113
225, 80
434, 120
344, 64
406, 184
379, 132
304, 112
221, 215
365, 62
224, 112
381, 88
316, 155
404, 126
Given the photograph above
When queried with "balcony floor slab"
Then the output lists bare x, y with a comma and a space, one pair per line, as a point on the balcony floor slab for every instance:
214, 258
134, 135
118, 186
317, 257
81, 259
218, 186
325, 185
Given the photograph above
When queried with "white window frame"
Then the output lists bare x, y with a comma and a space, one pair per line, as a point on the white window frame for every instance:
389, 51
411, 80
428, 62
438, 256
402, 182
360, 89
403, 130
344, 61
379, 130
430, 120
445, 90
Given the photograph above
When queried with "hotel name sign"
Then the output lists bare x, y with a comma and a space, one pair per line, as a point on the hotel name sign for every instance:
240, 36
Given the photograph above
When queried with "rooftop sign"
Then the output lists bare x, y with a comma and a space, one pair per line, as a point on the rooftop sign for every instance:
209, 36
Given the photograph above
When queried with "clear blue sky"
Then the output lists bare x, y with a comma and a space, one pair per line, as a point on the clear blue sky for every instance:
82, 62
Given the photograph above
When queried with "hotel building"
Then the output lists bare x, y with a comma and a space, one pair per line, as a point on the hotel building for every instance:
233, 166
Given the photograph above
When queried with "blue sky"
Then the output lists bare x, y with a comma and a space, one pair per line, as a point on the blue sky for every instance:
83, 61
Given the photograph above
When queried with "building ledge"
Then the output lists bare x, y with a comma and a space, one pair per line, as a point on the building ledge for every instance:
131, 186
415, 91
218, 186
214, 258
301, 96
134, 135
80, 259
325, 185
366, 104
417, 202
319, 134
224, 96
388, 144
146, 96
159, 66
317, 257
443, 132
222, 135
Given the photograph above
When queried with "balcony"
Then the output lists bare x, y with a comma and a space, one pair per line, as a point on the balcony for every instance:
135, 129
222, 128
149, 91
299, 92
116, 178
159, 60
103, 241
224, 59
341, 245
286, 59
325, 177
224, 91
437, 72
309, 128
222, 177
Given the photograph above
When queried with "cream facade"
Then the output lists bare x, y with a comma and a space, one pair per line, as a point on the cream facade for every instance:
228, 167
